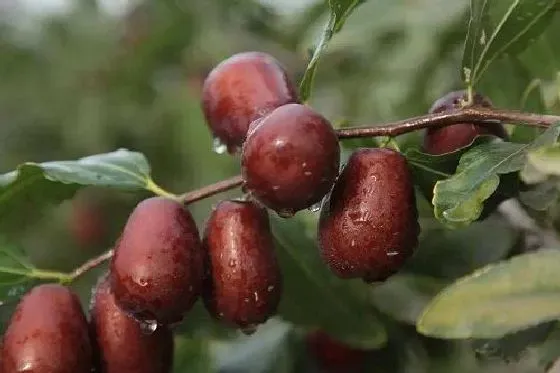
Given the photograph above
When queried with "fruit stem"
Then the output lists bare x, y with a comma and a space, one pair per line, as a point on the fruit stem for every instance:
50, 275
468, 114
159, 191
210, 190
90, 264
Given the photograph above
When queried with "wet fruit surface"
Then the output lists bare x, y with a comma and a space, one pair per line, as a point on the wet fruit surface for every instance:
241, 89
47, 333
450, 138
243, 282
368, 225
121, 346
333, 356
290, 160
156, 272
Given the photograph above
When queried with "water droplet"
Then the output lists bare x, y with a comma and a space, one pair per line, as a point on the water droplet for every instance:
218, 146
232, 262
308, 173
270, 288
275, 187
392, 253
249, 329
315, 207
286, 214
148, 326
142, 281
221, 314
246, 300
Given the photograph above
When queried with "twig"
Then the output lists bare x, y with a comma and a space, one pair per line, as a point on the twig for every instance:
210, 190
471, 114
90, 264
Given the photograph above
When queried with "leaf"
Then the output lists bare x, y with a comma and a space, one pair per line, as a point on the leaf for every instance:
340, 10
266, 351
14, 267
34, 185
459, 200
450, 254
427, 169
540, 196
405, 295
545, 160
496, 28
497, 300
191, 355
314, 298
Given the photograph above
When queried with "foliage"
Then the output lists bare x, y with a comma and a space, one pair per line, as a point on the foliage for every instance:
86, 82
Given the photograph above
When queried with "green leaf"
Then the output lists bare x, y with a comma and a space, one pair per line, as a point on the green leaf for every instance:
497, 300
340, 10
314, 298
14, 266
34, 185
453, 253
499, 27
545, 160
405, 295
192, 355
459, 200
428, 169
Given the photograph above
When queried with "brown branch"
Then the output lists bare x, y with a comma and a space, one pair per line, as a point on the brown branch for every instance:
90, 264
477, 115
212, 189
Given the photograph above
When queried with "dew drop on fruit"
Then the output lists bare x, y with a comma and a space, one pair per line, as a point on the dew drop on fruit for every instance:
218, 146
148, 327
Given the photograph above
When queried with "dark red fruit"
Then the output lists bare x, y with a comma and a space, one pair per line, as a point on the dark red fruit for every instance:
120, 345
243, 282
368, 226
241, 89
450, 138
290, 159
333, 356
48, 333
156, 272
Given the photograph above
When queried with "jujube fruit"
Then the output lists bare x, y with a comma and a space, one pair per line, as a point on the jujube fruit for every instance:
334, 356
120, 345
88, 223
290, 159
48, 333
243, 282
241, 89
447, 139
156, 272
368, 225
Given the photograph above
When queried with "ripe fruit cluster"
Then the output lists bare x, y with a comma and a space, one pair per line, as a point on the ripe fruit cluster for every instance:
290, 158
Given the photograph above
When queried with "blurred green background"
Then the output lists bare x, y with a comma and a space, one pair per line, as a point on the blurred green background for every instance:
86, 77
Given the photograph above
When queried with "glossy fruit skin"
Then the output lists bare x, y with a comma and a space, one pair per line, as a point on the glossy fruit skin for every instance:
333, 356
156, 272
290, 159
368, 225
450, 138
48, 333
120, 345
243, 283
241, 89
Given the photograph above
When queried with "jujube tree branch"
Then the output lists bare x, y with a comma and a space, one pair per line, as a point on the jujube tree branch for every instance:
470, 114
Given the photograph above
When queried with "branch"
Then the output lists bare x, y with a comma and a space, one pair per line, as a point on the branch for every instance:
210, 190
471, 114
91, 264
